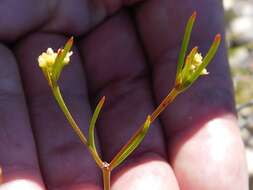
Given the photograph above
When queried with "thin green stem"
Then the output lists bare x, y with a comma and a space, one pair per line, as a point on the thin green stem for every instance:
167, 100
97, 159
61, 103
131, 145
142, 130
106, 176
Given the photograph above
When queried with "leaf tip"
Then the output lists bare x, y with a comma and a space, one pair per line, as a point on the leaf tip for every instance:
103, 99
217, 38
194, 15
70, 40
148, 118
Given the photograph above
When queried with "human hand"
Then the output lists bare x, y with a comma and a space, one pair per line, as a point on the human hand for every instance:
130, 57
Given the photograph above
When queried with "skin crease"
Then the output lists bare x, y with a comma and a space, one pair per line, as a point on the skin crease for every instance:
127, 51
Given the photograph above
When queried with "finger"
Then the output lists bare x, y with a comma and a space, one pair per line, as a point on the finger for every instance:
68, 17
116, 68
17, 18
65, 162
75, 17
198, 125
18, 159
218, 151
78, 17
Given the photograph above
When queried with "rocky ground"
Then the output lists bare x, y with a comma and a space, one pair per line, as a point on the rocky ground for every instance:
239, 28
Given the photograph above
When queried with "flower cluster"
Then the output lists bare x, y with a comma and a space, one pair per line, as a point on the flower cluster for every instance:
197, 61
191, 67
52, 62
47, 59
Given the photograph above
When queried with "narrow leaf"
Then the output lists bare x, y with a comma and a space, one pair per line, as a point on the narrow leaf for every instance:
132, 144
58, 66
185, 42
209, 56
94, 118
188, 63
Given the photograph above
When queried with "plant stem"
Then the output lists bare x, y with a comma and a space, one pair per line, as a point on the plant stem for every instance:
1, 175
166, 101
58, 97
60, 101
106, 176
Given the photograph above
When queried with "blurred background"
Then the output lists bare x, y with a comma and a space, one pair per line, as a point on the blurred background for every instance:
239, 29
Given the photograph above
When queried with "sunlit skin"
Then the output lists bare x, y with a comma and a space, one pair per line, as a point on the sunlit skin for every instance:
129, 56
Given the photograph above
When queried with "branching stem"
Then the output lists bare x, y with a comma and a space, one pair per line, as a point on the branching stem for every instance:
60, 101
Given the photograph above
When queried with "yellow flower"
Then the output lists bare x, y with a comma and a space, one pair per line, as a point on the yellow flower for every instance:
47, 59
197, 61
52, 63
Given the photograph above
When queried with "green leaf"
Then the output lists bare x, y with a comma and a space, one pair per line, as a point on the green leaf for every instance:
209, 56
58, 66
94, 118
132, 144
186, 73
185, 43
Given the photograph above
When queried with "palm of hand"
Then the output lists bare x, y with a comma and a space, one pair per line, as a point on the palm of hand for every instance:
128, 56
